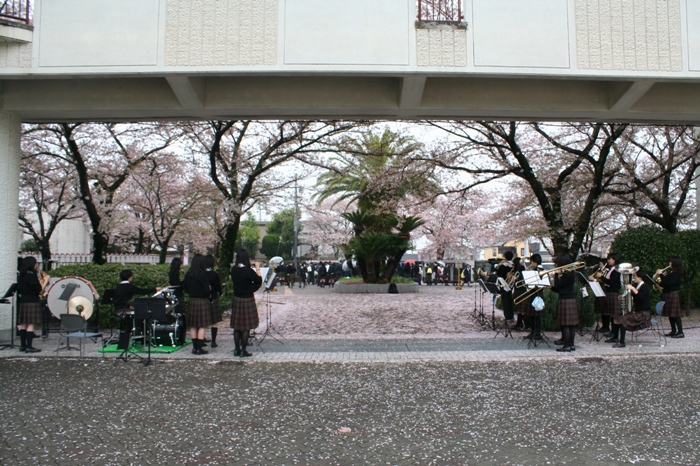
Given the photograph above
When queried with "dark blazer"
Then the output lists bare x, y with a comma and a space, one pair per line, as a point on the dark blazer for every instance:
29, 287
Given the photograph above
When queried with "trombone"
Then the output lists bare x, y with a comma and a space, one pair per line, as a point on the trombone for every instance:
535, 288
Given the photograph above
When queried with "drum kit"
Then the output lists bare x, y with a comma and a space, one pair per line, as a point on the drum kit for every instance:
75, 295
170, 331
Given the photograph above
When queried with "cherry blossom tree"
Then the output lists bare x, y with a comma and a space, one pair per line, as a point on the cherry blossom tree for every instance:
243, 160
102, 156
46, 198
566, 167
657, 166
164, 197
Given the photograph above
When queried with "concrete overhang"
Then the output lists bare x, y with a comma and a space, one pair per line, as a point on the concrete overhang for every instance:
174, 97
15, 32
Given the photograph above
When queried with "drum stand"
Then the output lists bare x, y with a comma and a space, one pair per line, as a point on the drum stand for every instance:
269, 328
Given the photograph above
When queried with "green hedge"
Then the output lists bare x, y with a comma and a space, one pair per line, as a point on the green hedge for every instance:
104, 277
649, 247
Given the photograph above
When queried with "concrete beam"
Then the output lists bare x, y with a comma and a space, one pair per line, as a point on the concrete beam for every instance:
411, 94
630, 96
189, 91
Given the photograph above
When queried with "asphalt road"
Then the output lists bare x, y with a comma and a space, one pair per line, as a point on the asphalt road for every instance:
637, 410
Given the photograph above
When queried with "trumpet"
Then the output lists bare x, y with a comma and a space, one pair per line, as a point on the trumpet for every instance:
598, 274
657, 278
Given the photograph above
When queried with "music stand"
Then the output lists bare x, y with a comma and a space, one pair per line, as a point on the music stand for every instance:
149, 310
480, 316
10, 293
269, 328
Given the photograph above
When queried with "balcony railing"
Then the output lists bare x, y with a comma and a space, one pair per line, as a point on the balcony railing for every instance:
440, 11
15, 10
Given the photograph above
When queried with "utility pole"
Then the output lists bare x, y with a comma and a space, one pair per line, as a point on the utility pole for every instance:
296, 226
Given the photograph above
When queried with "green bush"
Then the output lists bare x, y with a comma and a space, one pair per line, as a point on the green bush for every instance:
647, 246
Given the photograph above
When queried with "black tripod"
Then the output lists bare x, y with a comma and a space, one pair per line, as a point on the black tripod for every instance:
269, 328
149, 310
480, 317
11, 291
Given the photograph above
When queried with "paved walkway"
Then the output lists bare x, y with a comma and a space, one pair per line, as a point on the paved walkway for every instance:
349, 399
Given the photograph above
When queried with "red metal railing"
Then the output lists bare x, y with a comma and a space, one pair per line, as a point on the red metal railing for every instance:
15, 10
440, 11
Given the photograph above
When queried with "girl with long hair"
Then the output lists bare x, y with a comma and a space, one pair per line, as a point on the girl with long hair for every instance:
244, 311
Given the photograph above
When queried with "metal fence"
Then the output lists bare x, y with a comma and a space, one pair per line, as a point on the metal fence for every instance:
16, 10
58, 260
440, 11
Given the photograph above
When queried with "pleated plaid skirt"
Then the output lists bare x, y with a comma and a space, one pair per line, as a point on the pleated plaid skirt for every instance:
244, 314
613, 304
634, 321
672, 308
199, 313
215, 311
524, 307
567, 312
29, 313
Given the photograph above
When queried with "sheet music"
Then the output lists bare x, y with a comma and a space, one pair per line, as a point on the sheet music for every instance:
597, 289
263, 273
532, 279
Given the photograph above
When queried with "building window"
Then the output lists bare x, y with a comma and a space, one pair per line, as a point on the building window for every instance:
522, 252
494, 252
440, 11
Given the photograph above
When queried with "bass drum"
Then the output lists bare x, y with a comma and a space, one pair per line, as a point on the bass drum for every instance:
63, 289
170, 333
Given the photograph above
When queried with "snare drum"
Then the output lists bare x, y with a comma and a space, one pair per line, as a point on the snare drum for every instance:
63, 289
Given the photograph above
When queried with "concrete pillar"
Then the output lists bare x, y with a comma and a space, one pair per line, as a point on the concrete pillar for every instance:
10, 131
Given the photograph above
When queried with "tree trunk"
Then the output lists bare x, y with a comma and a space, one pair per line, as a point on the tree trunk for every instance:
229, 244
100, 243
45, 251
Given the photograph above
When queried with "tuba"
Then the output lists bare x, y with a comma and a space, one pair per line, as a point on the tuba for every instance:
626, 272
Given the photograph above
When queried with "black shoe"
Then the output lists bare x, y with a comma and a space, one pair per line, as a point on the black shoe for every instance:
619, 345
564, 349
677, 335
612, 340
245, 354
214, 345
34, 350
604, 330
528, 336
559, 342
608, 335
237, 352
572, 348
672, 334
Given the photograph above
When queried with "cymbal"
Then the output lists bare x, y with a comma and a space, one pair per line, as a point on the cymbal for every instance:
80, 305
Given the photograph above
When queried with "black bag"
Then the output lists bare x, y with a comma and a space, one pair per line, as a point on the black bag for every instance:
393, 289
